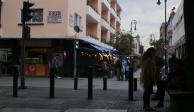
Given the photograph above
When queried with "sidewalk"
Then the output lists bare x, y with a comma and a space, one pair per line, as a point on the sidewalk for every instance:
36, 97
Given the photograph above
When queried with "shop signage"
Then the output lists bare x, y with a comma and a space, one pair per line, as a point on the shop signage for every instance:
54, 17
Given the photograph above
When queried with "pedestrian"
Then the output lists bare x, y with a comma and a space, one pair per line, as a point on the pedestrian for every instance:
54, 64
123, 70
159, 66
105, 68
161, 88
148, 76
118, 68
127, 69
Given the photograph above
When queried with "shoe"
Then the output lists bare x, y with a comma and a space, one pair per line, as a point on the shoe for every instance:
148, 109
159, 105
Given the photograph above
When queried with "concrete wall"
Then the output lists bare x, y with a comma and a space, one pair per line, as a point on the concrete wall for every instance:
11, 18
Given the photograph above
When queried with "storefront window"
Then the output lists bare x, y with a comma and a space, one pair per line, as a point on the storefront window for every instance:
6, 60
37, 56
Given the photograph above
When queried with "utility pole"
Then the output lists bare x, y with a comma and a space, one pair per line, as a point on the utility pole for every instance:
165, 36
26, 16
76, 46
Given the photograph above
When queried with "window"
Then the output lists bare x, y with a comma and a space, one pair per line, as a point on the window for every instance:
77, 20
37, 16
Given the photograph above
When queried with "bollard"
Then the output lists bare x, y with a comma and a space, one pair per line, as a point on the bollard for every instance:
75, 83
52, 83
15, 82
130, 84
90, 83
135, 84
104, 83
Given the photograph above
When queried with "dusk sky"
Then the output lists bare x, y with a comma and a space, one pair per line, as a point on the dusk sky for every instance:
148, 14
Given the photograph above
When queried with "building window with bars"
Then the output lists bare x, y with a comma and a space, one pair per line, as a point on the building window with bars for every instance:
37, 17
77, 20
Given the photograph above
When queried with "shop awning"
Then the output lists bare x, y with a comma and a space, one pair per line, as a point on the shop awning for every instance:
102, 49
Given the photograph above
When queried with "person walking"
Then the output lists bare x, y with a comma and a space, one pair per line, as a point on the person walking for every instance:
148, 76
127, 69
123, 70
55, 65
118, 68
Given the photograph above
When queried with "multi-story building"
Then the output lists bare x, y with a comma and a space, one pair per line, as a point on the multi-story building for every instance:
162, 31
52, 29
169, 33
178, 32
141, 49
136, 43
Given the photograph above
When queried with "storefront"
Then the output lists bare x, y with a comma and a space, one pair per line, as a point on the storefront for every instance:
9, 53
39, 52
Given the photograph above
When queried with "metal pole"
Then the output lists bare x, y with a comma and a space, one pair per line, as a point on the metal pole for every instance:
104, 83
135, 84
52, 82
165, 41
131, 28
130, 85
75, 68
90, 83
22, 52
15, 81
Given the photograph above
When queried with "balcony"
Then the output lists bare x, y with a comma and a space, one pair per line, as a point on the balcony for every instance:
105, 24
112, 11
118, 19
93, 14
106, 4
91, 36
112, 30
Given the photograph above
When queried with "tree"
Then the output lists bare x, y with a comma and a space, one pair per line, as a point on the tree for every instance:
158, 45
124, 44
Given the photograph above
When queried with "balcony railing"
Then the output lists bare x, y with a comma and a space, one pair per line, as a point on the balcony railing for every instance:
113, 12
93, 13
112, 30
92, 36
105, 24
118, 19
106, 3
115, 15
112, 26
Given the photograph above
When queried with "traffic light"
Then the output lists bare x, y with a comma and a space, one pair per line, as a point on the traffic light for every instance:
76, 44
27, 11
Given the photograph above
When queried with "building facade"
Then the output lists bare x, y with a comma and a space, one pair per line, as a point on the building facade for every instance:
178, 32
136, 43
162, 31
169, 33
52, 28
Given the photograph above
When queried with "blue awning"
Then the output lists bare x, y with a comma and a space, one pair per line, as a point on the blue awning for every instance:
102, 49
87, 46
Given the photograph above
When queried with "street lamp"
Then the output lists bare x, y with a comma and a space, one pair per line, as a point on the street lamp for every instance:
165, 41
75, 47
133, 22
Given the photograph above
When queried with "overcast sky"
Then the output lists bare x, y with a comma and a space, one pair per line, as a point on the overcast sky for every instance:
148, 14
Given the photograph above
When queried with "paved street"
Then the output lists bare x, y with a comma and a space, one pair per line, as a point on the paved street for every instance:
36, 97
